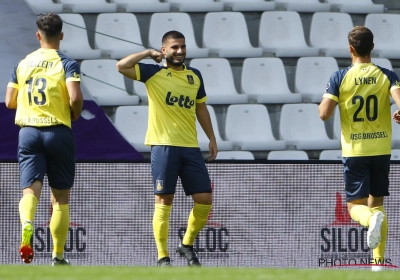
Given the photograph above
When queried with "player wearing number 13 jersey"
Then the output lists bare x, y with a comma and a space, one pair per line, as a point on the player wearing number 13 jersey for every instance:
45, 91
362, 92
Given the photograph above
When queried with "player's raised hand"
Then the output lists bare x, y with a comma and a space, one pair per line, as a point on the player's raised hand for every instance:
396, 116
156, 56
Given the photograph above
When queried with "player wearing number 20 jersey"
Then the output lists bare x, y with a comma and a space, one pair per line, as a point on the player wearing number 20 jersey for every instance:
41, 80
362, 92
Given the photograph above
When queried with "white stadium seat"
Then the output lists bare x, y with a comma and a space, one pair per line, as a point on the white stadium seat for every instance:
142, 6
264, 80
302, 128
281, 33
45, 6
89, 6
303, 5
337, 127
357, 6
382, 62
248, 126
195, 5
160, 23
226, 34
287, 155
331, 155
75, 43
132, 122
395, 129
105, 84
235, 155
329, 32
312, 76
248, 5
218, 81
118, 35
395, 154
386, 38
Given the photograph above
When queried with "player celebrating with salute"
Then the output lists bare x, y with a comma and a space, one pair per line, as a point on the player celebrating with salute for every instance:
362, 92
176, 97
45, 90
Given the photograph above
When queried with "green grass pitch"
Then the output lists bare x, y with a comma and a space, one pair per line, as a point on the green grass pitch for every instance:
18, 272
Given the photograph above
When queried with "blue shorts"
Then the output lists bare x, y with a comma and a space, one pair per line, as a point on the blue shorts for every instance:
170, 162
364, 176
47, 150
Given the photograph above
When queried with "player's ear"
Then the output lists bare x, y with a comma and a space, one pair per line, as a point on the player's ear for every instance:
38, 36
61, 35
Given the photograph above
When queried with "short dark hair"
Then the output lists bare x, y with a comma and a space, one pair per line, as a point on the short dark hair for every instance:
173, 34
362, 40
50, 24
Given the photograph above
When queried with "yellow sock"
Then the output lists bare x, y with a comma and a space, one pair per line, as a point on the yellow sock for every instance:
361, 214
378, 254
27, 207
161, 228
197, 219
59, 225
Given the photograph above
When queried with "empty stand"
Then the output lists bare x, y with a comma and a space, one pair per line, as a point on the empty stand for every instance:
302, 128
264, 80
142, 6
118, 35
160, 23
248, 5
45, 6
287, 155
75, 43
329, 32
89, 6
105, 84
235, 155
303, 5
248, 126
395, 154
337, 126
357, 6
331, 155
203, 139
131, 122
395, 129
281, 33
195, 5
218, 81
312, 76
382, 62
226, 34
386, 38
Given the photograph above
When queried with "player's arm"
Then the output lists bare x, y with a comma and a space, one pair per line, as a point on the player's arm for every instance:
203, 116
396, 97
11, 98
126, 66
75, 99
326, 108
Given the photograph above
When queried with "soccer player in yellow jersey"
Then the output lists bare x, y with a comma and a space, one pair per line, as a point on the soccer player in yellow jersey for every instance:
176, 97
45, 91
362, 92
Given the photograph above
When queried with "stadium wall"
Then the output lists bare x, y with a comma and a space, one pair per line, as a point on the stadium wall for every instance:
275, 214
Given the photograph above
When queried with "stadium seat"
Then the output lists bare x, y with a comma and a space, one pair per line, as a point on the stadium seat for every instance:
248, 126
75, 43
248, 5
218, 81
386, 38
160, 23
89, 6
203, 139
395, 154
226, 34
200, 6
45, 6
337, 127
395, 129
287, 155
329, 32
382, 62
143, 6
281, 33
235, 155
302, 128
131, 122
331, 155
312, 76
264, 80
118, 35
105, 84
356, 6
310, 6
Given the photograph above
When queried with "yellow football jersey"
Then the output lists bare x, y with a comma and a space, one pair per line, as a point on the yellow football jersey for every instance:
41, 79
172, 104
362, 91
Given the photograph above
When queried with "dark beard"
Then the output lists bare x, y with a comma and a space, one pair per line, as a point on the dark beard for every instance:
171, 62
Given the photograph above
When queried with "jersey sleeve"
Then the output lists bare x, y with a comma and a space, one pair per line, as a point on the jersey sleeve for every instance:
72, 71
332, 87
146, 71
394, 81
14, 80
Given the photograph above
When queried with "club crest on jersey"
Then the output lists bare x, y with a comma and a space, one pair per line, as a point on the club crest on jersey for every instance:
190, 79
159, 185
